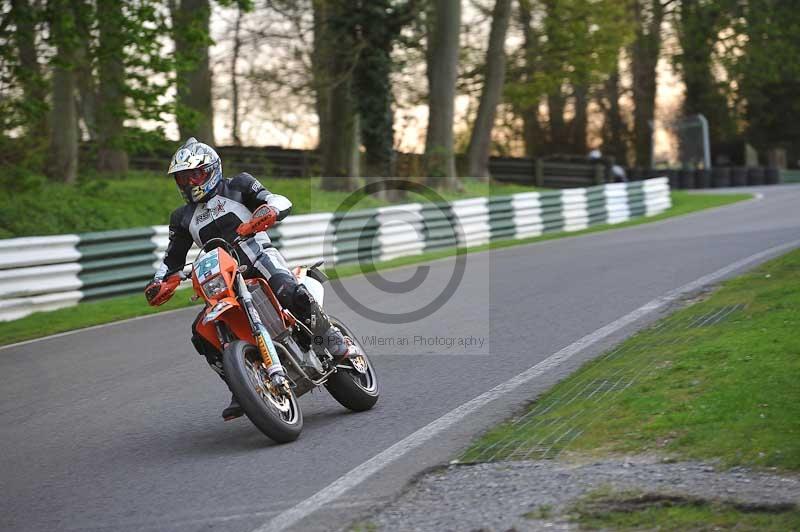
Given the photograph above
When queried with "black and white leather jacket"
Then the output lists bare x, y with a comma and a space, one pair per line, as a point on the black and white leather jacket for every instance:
219, 217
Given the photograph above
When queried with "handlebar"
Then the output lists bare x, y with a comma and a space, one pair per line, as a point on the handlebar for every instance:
230, 247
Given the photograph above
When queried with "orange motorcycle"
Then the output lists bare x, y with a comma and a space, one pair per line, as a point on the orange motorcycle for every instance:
269, 357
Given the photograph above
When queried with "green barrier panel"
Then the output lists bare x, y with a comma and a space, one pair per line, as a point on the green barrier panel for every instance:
438, 226
501, 217
637, 208
116, 289
111, 243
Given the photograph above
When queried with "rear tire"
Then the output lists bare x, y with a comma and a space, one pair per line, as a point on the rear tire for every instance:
241, 362
352, 389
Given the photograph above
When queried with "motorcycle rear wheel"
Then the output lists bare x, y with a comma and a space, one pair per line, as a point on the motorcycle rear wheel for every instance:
278, 417
352, 389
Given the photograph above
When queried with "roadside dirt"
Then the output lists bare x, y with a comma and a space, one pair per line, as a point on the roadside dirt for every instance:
539, 495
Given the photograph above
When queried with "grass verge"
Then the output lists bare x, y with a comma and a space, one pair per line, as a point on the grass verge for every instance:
716, 380
118, 308
142, 199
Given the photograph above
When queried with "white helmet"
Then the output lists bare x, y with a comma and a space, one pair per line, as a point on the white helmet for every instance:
197, 170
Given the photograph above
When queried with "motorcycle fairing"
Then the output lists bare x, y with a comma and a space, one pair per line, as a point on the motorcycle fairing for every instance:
220, 308
236, 321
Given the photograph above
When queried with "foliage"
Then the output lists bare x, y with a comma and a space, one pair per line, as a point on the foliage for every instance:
574, 42
763, 62
378, 24
698, 24
131, 35
23, 106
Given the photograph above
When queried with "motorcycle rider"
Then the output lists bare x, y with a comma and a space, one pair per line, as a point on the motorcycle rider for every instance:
218, 207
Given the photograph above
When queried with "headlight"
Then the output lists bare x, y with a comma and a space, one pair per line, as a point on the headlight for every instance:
215, 286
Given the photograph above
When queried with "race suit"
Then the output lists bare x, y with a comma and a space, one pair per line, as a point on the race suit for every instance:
219, 217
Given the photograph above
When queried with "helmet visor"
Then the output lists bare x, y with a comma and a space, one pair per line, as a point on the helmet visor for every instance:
194, 177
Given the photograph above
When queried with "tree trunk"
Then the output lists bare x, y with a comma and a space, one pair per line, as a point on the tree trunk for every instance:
34, 88
442, 70
614, 127
645, 51
237, 45
190, 30
111, 153
495, 69
559, 136
580, 121
63, 163
87, 91
532, 132
333, 61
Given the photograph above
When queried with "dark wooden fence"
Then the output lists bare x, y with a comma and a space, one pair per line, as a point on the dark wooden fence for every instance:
550, 172
279, 162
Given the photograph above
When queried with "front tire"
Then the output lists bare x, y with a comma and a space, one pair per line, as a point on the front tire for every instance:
352, 389
279, 418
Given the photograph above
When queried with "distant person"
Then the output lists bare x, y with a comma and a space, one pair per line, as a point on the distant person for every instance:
618, 174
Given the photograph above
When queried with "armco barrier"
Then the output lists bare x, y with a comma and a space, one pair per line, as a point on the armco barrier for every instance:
45, 273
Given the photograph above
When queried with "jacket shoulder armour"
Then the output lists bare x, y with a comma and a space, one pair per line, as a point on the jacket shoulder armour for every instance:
245, 183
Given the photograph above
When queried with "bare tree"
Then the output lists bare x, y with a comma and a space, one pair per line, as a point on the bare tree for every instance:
442, 70
237, 47
494, 77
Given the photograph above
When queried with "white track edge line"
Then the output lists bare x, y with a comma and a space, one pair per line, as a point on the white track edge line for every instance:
360, 473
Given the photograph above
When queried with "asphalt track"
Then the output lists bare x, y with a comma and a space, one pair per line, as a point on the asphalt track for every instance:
118, 428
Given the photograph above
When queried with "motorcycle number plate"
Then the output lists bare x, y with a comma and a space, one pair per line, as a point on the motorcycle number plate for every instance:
208, 266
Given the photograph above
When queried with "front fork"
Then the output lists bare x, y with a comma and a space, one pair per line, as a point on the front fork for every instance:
263, 340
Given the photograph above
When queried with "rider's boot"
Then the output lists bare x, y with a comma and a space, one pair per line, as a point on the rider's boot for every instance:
233, 410
214, 359
338, 345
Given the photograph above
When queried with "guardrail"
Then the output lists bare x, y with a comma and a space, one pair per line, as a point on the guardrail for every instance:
46, 273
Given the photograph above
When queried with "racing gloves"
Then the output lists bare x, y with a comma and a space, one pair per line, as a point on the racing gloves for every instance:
263, 218
158, 292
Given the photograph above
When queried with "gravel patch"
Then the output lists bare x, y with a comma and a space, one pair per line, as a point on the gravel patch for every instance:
522, 496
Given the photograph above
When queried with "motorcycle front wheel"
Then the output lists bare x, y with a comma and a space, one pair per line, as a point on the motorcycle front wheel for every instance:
278, 416
354, 389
